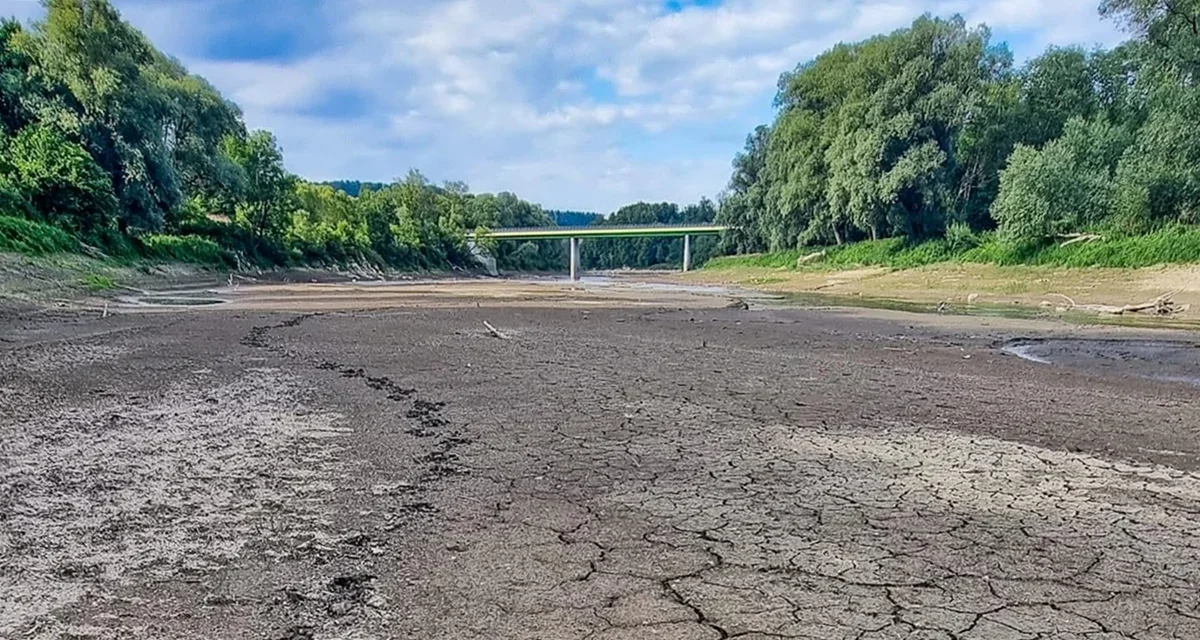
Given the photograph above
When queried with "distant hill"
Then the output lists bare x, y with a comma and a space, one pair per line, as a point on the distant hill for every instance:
574, 218
354, 187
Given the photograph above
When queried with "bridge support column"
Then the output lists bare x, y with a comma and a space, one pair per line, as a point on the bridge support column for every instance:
574, 259
687, 253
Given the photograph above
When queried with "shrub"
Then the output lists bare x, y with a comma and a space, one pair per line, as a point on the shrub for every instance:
18, 235
189, 249
960, 237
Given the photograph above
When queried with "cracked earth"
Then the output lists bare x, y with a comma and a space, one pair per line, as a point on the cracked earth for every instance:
607, 473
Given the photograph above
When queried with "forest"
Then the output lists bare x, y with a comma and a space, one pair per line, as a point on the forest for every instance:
930, 137
933, 135
110, 147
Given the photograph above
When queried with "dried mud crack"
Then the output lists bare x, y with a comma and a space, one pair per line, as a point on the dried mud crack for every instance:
614, 474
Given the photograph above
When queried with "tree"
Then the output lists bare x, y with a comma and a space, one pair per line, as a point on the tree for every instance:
266, 201
1171, 26
868, 139
97, 66
327, 224
1066, 186
742, 206
16, 87
59, 179
1158, 178
194, 120
1056, 86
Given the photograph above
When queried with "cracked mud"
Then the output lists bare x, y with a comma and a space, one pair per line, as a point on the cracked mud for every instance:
609, 473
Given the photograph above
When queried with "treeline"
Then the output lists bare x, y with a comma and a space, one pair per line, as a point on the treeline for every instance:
574, 218
355, 187
932, 132
105, 137
612, 253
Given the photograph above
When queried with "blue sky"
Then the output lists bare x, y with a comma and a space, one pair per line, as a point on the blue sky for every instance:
576, 104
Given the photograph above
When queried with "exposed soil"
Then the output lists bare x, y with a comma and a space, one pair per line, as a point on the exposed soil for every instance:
1023, 286
321, 462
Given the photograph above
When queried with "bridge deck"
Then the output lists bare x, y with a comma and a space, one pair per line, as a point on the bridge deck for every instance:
632, 231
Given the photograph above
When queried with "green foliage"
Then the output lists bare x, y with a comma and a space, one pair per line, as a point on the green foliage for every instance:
1169, 26
18, 235
574, 218
930, 133
189, 249
354, 188
97, 282
1158, 178
1066, 186
867, 143
611, 253
327, 225
59, 179
266, 186
960, 237
1172, 245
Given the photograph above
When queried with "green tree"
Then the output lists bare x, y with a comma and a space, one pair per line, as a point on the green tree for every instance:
16, 87
1055, 87
194, 120
1067, 186
1158, 179
327, 225
59, 179
742, 205
1171, 26
267, 188
96, 64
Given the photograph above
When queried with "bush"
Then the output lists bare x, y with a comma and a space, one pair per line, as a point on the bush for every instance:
189, 249
18, 235
1064, 187
960, 237
60, 179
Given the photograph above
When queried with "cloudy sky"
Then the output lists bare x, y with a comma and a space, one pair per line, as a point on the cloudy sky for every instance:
576, 104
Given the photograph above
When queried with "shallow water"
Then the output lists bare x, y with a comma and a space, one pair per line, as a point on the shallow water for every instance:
1166, 360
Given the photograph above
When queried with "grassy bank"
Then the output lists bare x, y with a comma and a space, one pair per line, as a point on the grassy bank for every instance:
1176, 245
982, 270
32, 238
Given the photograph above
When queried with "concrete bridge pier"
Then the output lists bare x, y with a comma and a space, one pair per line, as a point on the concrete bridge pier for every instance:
687, 253
575, 260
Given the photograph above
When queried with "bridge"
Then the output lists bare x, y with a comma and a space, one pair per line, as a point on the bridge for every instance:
575, 234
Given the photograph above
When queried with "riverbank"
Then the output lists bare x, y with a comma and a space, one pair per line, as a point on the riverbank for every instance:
1053, 289
72, 279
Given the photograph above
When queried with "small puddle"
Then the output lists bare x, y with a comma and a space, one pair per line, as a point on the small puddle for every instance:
165, 301
1025, 352
1166, 360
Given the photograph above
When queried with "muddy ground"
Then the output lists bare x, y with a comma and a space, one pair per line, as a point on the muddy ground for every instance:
611, 467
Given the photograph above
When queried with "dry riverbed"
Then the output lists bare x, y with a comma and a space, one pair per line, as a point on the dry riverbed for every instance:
1037, 288
298, 462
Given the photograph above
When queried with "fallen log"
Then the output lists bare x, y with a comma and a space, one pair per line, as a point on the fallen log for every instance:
810, 258
494, 331
1075, 238
1160, 306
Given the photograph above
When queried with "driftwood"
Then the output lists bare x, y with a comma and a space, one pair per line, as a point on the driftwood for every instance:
810, 258
1075, 238
1160, 306
494, 331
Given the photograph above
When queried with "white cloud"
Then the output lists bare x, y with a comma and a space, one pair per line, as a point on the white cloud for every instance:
538, 96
